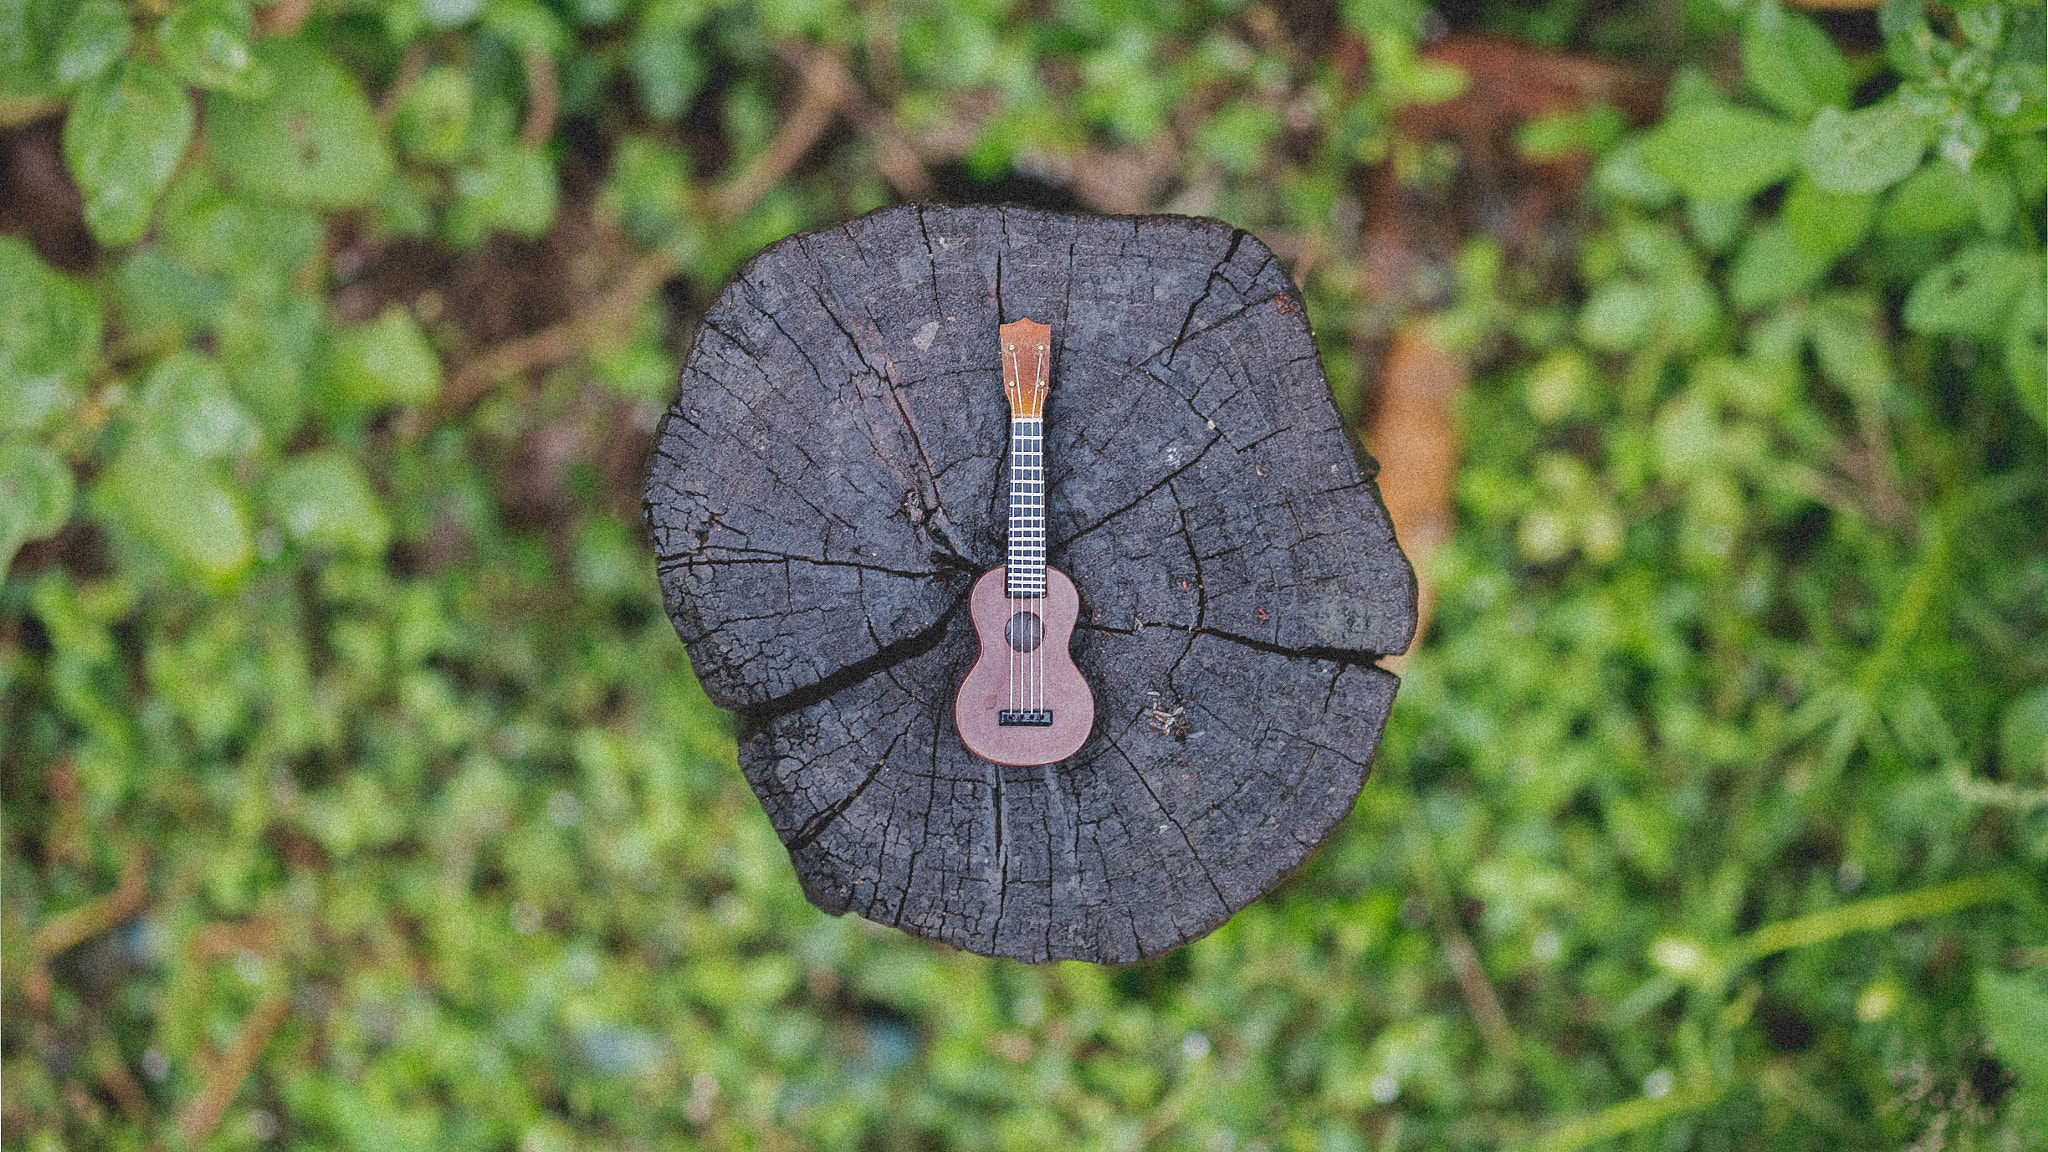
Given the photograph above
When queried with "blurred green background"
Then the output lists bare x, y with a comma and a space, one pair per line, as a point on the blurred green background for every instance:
357, 793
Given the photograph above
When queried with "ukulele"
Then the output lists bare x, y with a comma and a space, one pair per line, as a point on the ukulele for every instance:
1024, 702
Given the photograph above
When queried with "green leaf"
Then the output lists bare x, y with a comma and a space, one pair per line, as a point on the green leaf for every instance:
35, 496
1867, 150
387, 361
1655, 249
1623, 175
1554, 136
207, 43
185, 508
404, 204
1972, 294
94, 40
2026, 37
1791, 63
30, 31
1771, 267
1993, 196
433, 120
668, 69
1827, 224
265, 341
2026, 350
1909, 41
1692, 90
1850, 349
169, 483
1982, 25
1620, 315
123, 138
1722, 152
645, 192
2015, 1012
1744, 384
1686, 433
1644, 830
187, 409
159, 297
49, 339
597, 13
212, 231
525, 25
1716, 224
513, 189
1691, 310
642, 370
1558, 384
323, 500
1236, 136
450, 13
312, 140
2023, 739
1938, 197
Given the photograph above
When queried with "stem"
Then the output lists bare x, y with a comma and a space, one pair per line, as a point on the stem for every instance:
1867, 915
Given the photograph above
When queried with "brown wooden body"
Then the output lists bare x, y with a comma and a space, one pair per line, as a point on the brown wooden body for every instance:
984, 692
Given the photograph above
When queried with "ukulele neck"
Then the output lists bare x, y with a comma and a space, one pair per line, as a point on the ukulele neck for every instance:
1027, 507
1027, 368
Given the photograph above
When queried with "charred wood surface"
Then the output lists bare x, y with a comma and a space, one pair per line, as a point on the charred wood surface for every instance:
829, 484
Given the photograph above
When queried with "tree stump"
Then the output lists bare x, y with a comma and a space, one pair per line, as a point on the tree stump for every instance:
830, 482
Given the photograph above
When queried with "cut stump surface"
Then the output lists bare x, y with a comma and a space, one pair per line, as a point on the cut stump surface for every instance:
830, 482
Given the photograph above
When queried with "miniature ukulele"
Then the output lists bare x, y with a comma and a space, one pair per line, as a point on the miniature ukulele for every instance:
1024, 702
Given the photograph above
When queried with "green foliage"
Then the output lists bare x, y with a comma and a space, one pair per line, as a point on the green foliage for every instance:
122, 139
1791, 63
35, 495
49, 339
1867, 150
322, 499
93, 40
1726, 761
386, 361
1721, 152
311, 140
2016, 1020
206, 42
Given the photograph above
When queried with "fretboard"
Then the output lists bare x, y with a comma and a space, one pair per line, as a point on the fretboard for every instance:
1027, 508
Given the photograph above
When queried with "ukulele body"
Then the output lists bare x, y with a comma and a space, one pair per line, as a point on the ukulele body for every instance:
1049, 707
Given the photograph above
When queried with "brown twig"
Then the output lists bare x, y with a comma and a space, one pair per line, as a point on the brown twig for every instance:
284, 17
227, 937
543, 98
82, 923
410, 69
558, 342
224, 1081
824, 89
1875, 468
90, 1115
894, 156
114, 1076
1458, 950
799, 133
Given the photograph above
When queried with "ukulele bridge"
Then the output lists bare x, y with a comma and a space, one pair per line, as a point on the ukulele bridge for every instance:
1034, 718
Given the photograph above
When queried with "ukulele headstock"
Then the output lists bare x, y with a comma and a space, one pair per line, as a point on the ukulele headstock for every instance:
1027, 365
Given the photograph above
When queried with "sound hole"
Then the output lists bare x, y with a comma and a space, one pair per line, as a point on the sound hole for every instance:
1024, 631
